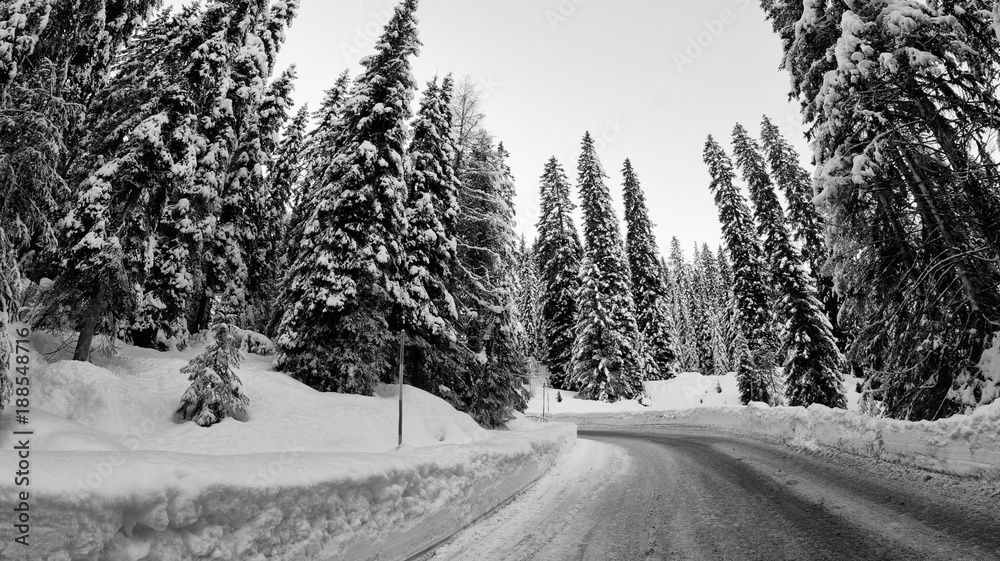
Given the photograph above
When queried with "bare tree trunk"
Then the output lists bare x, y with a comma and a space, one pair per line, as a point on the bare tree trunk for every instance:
951, 246
89, 326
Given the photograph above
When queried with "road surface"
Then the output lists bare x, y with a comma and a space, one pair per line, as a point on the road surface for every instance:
683, 493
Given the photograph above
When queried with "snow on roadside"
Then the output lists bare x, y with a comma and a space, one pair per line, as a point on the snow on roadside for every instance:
962, 445
306, 475
687, 390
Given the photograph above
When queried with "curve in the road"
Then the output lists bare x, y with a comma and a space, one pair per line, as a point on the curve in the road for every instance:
681, 493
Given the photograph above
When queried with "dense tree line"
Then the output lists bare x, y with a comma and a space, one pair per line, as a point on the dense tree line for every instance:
899, 99
151, 166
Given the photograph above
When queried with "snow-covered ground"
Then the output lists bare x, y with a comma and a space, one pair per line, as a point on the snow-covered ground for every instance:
306, 475
688, 390
961, 445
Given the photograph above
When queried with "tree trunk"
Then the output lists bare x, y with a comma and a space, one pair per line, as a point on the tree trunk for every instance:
951, 245
89, 326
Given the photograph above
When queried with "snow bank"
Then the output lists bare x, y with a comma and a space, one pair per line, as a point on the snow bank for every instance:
689, 390
306, 475
291, 505
961, 445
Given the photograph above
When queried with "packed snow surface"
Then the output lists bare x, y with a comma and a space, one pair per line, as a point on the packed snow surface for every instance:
306, 475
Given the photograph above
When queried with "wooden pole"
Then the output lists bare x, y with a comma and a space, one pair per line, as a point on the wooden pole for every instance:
402, 344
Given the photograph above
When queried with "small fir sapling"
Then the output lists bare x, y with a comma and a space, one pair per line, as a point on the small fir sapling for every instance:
215, 392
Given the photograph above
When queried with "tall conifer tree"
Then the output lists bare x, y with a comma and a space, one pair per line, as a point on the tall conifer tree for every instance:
811, 359
431, 243
649, 290
347, 286
899, 99
559, 254
202, 217
318, 151
53, 56
754, 373
607, 360
494, 366
528, 298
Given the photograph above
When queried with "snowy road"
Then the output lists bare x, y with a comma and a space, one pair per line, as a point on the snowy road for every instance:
698, 494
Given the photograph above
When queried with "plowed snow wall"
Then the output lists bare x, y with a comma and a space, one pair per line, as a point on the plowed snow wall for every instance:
963, 445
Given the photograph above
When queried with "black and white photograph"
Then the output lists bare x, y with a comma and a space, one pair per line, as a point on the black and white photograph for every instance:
499, 280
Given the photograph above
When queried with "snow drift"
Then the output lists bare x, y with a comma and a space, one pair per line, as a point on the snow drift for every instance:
306, 475
961, 445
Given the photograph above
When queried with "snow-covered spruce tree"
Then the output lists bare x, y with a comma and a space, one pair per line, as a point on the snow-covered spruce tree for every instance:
495, 367
804, 222
608, 362
649, 290
216, 392
141, 141
317, 153
252, 216
431, 259
707, 293
812, 361
288, 166
559, 255
713, 287
680, 289
285, 183
725, 326
53, 56
226, 71
346, 289
528, 286
700, 313
754, 373
899, 99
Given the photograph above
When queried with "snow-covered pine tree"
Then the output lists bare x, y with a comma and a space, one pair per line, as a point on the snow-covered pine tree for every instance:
288, 165
261, 227
432, 213
707, 291
804, 222
812, 362
700, 313
907, 183
559, 254
318, 151
528, 297
216, 392
755, 372
679, 287
285, 184
725, 326
346, 288
495, 367
649, 290
227, 72
141, 140
431, 246
53, 55
608, 364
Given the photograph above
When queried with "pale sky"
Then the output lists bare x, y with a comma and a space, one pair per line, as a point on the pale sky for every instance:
651, 77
